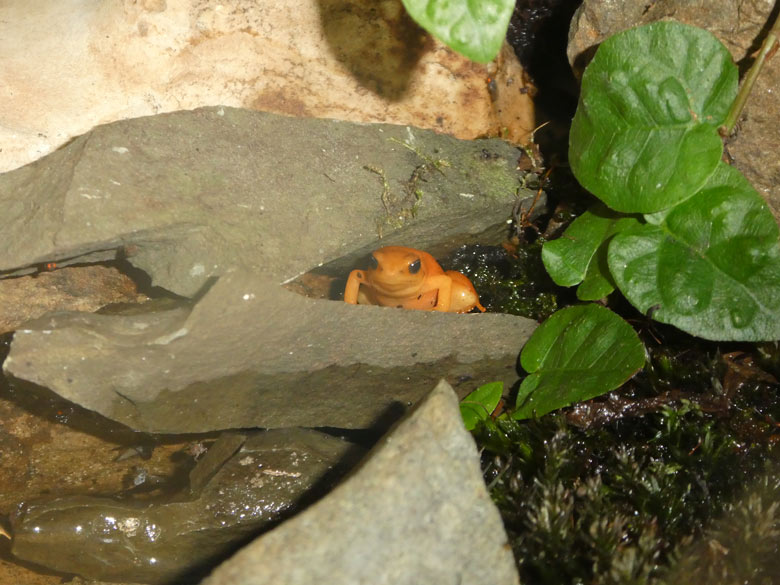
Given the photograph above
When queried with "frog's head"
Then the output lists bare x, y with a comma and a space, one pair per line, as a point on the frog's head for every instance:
396, 271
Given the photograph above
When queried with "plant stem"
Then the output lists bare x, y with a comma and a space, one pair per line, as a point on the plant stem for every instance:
768, 49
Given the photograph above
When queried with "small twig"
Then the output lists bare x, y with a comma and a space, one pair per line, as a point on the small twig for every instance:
520, 216
385, 186
436, 164
768, 48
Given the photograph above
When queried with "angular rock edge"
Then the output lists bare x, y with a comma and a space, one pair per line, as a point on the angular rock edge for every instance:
416, 511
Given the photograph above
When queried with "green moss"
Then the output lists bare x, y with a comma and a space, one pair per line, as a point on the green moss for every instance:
620, 500
742, 545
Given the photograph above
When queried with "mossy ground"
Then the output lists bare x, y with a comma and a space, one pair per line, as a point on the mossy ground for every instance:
619, 489
670, 479
617, 502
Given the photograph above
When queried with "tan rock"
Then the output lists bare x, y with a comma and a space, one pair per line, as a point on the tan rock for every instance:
67, 66
78, 288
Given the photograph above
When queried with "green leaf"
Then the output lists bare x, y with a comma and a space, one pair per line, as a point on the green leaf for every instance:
645, 137
578, 353
580, 254
478, 405
474, 28
598, 282
710, 266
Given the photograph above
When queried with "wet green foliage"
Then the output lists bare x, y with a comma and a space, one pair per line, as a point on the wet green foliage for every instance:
586, 343
514, 283
580, 258
616, 489
645, 135
480, 404
705, 254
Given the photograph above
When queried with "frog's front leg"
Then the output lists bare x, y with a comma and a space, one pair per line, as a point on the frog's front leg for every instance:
356, 278
443, 283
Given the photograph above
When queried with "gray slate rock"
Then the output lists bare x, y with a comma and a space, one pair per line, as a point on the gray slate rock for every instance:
230, 362
191, 195
251, 200
416, 511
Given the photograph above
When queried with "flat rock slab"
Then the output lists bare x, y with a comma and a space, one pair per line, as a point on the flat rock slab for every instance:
224, 206
417, 511
190, 195
252, 354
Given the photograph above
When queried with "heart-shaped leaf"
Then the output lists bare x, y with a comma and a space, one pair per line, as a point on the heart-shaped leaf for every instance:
644, 137
709, 266
578, 353
474, 28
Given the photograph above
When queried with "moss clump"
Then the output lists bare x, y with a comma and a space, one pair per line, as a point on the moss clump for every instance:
742, 545
619, 496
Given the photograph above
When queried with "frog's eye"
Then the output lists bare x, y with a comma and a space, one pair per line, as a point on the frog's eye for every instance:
373, 263
414, 267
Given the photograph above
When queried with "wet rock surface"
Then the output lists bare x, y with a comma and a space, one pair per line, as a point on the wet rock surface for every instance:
241, 485
44, 450
225, 205
416, 511
51, 448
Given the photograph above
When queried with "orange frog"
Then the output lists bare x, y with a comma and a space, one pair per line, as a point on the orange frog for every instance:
411, 279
